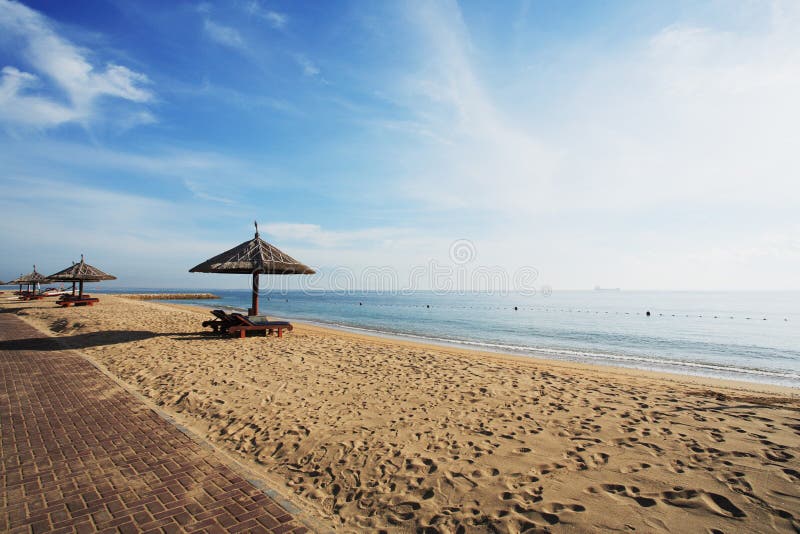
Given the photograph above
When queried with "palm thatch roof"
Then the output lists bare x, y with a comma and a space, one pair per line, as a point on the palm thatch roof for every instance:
81, 271
253, 256
32, 278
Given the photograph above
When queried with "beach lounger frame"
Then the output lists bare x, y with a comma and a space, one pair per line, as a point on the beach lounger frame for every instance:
67, 300
268, 327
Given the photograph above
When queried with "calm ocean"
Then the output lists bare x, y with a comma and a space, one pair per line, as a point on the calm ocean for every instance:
753, 336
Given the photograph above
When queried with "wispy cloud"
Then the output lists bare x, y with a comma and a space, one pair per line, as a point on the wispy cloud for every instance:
28, 99
30, 110
315, 235
678, 117
199, 172
490, 157
274, 18
122, 232
224, 35
309, 68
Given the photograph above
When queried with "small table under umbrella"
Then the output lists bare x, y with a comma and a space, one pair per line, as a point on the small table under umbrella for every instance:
81, 272
254, 257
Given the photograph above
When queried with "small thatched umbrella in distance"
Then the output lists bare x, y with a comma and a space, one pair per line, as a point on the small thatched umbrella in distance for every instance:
31, 279
253, 257
17, 281
81, 272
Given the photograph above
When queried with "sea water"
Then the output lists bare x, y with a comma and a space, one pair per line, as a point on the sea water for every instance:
752, 336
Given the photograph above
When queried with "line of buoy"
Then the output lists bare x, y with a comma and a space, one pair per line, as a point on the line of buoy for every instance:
647, 313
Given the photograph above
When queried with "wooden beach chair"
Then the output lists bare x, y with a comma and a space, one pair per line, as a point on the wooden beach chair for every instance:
72, 297
78, 301
222, 322
251, 324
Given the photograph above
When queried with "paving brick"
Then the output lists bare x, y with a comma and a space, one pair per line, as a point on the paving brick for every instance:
78, 461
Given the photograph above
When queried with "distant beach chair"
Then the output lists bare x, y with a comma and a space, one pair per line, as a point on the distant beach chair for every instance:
253, 324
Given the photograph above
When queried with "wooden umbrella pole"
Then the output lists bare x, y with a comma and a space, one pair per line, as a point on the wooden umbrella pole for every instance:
80, 294
73, 288
254, 309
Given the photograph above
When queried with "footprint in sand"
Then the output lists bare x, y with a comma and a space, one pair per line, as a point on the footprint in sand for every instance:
635, 468
777, 455
792, 474
480, 473
620, 491
557, 508
598, 459
736, 481
691, 498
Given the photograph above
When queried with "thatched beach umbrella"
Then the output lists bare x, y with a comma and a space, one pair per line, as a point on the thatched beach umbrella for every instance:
31, 279
253, 257
81, 272
17, 281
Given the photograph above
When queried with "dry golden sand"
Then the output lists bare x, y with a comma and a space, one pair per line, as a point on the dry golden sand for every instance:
369, 433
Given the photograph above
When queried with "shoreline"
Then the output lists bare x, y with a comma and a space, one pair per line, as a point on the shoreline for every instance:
369, 433
610, 368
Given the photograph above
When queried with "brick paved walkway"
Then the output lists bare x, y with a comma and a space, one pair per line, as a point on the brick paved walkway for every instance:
80, 454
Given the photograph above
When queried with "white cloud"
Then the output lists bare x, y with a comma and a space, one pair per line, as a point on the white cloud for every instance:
486, 160
63, 64
639, 157
317, 236
694, 114
310, 69
275, 19
278, 20
29, 110
119, 232
199, 172
199, 192
224, 35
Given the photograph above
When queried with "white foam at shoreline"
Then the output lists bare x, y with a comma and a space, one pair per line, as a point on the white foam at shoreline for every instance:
596, 357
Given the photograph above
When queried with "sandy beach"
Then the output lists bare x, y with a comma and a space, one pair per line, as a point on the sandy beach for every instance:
367, 433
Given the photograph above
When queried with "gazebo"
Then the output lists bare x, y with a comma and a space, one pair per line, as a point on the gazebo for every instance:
80, 272
254, 257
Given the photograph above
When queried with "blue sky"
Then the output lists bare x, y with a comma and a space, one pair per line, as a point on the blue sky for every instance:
645, 145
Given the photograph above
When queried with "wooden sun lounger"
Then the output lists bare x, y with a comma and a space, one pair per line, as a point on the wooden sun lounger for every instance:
222, 322
246, 325
85, 301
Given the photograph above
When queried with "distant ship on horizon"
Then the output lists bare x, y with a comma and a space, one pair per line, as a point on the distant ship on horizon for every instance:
598, 288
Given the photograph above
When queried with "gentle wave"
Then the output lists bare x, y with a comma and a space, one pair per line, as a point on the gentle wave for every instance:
601, 356
757, 351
